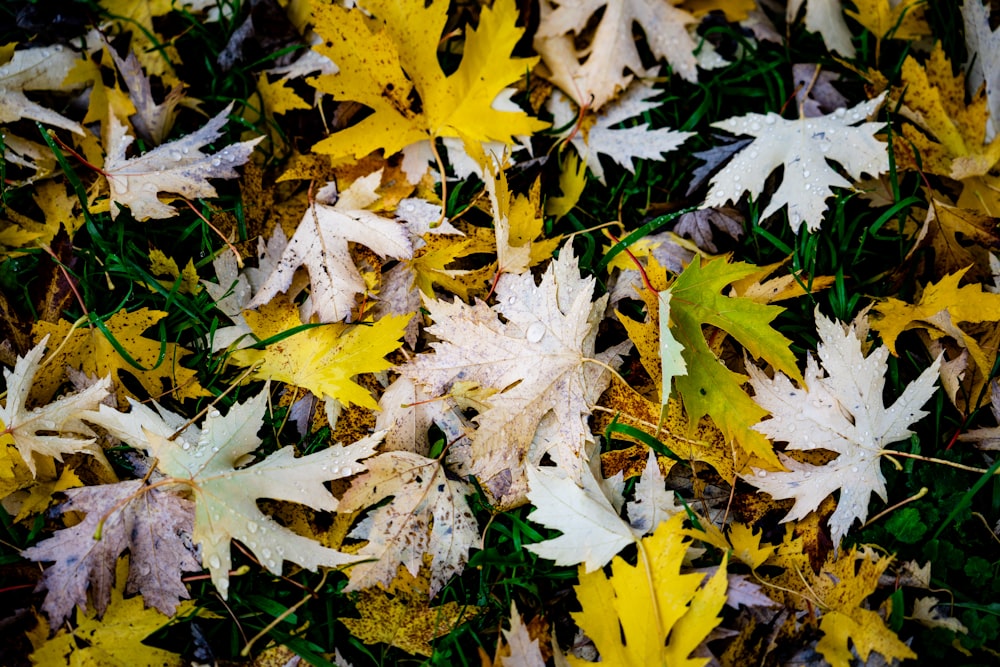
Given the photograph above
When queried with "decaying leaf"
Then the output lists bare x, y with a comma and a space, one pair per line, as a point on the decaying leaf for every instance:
52, 430
153, 524
536, 362
428, 515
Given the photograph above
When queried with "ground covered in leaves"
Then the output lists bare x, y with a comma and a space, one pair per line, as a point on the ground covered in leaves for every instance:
511, 333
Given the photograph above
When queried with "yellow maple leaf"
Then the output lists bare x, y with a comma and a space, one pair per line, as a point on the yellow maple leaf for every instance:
965, 314
951, 139
648, 602
157, 365
387, 61
161, 265
278, 97
323, 359
112, 640
402, 616
842, 587
892, 20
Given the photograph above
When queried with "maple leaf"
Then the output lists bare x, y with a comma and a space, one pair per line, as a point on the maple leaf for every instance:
803, 146
524, 651
153, 524
593, 533
964, 314
588, 515
42, 68
517, 220
841, 411
534, 360
611, 54
90, 350
946, 136
709, 387
114, 639
51, 430
388, 62
320, 243
887, 19
624, 144
323, 359
401, 614
203, 460
152, 121
842, 587
178, 167
659, 614
825, 17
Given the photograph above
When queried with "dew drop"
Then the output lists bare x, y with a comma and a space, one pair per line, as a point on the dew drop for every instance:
512, 300
266, 552
216, 162
223, 585
346, 471
214, 562
186, 446
252, 526
535, 332
335, 470
854, 469
770, 119
755, 126
805, 173
808, 475
762, 473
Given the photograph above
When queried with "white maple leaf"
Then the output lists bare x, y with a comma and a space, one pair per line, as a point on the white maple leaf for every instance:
803, 146
827, 18
428, 514
178, 167
535, 361
320, 244
653, 503
205, 460
841, 411
42, 68
524, 651
51, 430
592, 531
611, 56
624, 144
983, 45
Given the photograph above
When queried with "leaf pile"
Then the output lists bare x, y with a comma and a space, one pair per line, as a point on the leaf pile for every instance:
627, 332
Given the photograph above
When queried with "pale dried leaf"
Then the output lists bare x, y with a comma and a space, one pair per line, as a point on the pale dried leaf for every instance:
178, 167
524, 651
842, 411
155, 526
803, 146
429, 514
320, 244
34, 432
592, 531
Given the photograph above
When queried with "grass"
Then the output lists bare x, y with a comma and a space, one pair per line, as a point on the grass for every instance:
864, 247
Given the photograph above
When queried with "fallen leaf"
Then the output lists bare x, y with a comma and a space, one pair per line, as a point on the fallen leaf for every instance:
153, 524
803, 146
840, 409
178, 167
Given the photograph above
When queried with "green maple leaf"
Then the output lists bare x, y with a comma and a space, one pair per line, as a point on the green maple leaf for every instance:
710, 388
